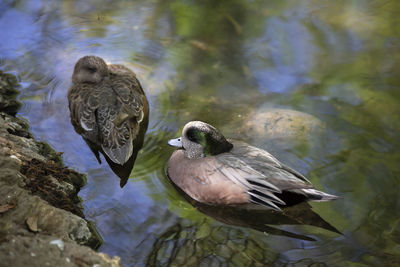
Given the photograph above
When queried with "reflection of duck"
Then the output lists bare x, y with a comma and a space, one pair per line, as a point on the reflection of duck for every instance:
262, 219
213, 170
110, 111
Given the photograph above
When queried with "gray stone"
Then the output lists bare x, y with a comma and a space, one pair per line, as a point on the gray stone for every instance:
44, 250
283, 132
282, 124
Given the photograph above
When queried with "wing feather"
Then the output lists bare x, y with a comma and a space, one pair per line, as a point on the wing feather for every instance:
263, 176
119, 120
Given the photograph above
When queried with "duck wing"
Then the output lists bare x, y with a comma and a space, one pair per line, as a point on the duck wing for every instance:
119, 116
259, 188
263, 176
278, 173
83, 101
129, 92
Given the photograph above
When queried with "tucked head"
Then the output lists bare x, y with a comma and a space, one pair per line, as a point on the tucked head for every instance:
90, 69
200, 139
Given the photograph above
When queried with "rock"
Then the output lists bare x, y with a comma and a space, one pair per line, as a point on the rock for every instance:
283, 132
40, 209
8, 93
46, 250
282, 124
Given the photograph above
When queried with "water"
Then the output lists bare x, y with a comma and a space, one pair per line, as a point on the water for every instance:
218, 61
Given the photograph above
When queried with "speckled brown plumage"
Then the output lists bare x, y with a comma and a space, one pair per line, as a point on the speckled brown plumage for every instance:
109, 109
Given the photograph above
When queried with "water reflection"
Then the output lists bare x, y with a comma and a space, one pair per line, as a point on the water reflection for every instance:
218, 61
262, 219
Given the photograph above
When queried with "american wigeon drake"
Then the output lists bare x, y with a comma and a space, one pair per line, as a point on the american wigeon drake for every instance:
109, 109
217, 171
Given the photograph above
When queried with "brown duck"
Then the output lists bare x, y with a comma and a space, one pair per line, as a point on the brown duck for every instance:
214, 170
109, 109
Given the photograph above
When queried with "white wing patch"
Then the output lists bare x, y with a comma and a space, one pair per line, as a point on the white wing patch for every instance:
84, 126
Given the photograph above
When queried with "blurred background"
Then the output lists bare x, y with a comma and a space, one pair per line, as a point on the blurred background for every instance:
228, 63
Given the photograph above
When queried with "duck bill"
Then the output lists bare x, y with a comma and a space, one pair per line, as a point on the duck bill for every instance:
176, 142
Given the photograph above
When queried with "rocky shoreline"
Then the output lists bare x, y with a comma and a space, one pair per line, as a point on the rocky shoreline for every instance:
41, 216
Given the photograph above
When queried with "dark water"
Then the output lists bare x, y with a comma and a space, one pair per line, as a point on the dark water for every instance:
218, 61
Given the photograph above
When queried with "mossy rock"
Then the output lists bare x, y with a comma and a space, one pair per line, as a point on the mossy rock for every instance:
9, 93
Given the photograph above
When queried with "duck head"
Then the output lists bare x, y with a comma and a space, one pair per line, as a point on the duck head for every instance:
90, 69
200, 139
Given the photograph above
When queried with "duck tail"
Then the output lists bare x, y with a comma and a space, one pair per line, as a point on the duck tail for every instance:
315, 195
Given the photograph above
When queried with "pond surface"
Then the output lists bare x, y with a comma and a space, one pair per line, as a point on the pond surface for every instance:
219, 61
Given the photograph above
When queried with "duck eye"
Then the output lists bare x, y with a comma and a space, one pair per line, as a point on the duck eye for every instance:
92, 69
191, 135
192, 138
